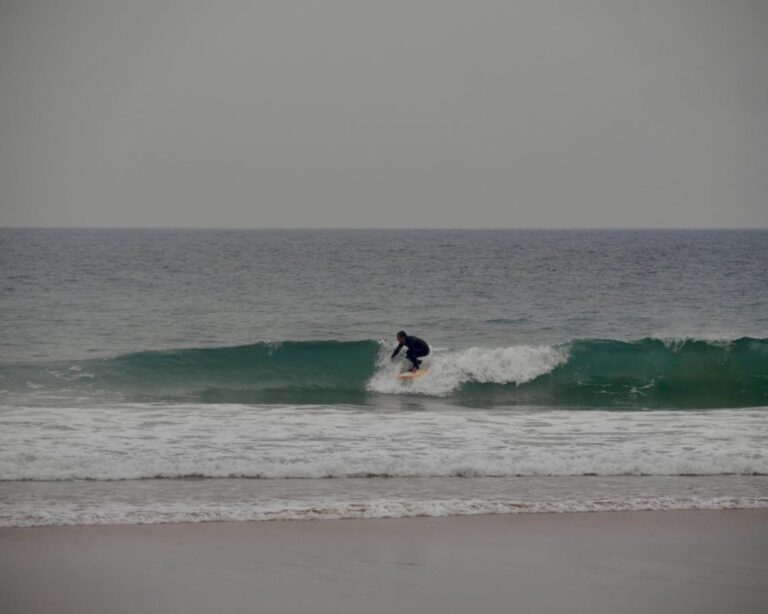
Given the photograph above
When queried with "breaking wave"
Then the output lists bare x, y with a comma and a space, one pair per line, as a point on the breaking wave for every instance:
646, 373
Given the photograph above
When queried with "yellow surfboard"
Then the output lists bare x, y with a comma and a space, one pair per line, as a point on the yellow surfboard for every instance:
408, 375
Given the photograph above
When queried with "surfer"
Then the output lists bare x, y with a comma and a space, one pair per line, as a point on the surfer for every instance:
417, 348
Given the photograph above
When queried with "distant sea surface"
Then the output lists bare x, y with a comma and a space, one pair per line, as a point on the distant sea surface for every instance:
166, 375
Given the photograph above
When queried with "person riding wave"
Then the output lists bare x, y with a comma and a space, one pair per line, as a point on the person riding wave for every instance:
417, 348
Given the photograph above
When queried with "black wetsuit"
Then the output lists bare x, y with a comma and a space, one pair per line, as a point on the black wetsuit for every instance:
417, 348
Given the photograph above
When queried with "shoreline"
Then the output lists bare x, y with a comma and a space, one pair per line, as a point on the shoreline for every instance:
67, 503
671, 561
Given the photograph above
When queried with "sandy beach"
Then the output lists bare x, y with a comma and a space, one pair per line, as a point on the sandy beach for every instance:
684, 561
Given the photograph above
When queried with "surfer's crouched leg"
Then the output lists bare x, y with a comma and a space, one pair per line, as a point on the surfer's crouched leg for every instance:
414, 358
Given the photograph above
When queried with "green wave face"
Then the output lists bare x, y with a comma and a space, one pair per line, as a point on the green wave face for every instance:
263, 372
287, 372
648, 373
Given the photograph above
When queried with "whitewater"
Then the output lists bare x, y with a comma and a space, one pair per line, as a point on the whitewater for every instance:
217, 441
153, 463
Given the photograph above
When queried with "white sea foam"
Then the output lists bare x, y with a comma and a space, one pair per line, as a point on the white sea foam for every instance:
143, 440
448, 370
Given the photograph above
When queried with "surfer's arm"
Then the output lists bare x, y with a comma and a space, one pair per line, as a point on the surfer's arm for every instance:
397, 350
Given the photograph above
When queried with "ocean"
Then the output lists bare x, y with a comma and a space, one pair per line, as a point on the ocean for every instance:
197, 375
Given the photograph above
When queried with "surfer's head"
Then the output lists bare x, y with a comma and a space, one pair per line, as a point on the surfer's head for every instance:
401, 336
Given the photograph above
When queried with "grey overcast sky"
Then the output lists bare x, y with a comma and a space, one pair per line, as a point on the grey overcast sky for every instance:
416, 113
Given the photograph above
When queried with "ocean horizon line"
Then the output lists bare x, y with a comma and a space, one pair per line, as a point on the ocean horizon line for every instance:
411, 228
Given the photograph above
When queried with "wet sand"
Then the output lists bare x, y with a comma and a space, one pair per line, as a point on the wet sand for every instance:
686, 561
